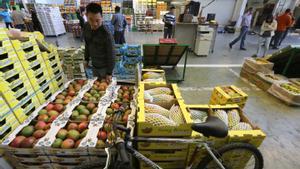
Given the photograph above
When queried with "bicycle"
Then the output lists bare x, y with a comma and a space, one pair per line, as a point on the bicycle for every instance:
215, 159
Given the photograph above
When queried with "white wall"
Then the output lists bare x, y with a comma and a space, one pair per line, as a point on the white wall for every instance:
222, 8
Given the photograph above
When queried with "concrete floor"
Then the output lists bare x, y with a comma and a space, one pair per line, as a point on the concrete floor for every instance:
281, 149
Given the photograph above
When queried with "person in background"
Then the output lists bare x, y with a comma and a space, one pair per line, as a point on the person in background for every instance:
288, 29
267, 32
18, 19
5, 14
36, 23
99, 43
118, 21
181, 16
283, 22
169, 20
246, 23
81, 22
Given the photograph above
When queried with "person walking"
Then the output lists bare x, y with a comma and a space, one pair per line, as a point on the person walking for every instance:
246, 23
18, 19
35, 20
267, 32
169, 20
119, 22
99, 44
5, 14
283, 22
81, 22
287, 29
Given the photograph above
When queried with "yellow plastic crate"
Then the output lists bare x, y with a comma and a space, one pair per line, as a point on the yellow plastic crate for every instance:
28, 54
18, 91
21, 45
45, 92
166, 155
161, 146
26, 107
7, 58
4, 108
5, 46
7, 122
9, 125
220, 96
11, 69
59, 79
15, 80
147, 129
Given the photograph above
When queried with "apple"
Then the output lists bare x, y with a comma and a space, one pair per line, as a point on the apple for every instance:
72, 126
40, 125
43, 117
102, 135
82, 126
68, 143
17, 141
49, 107
59, 107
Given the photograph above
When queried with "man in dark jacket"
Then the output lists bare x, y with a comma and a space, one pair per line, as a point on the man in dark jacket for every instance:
99, 43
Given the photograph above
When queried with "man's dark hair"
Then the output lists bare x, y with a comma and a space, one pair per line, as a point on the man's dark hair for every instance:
94, 8
288, 10
14, 8
117, 9
172, 7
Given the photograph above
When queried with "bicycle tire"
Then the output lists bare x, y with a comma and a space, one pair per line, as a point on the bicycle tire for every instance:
259, 162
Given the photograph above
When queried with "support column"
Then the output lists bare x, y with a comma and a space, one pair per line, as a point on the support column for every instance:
239, 10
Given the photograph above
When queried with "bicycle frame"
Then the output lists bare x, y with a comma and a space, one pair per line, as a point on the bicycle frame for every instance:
200, 143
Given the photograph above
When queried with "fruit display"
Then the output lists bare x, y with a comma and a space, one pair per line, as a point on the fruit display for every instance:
160, 107
291, 88
118, 112
198, 116
232, 119
71, 135
97, 91
153, 76
41, 124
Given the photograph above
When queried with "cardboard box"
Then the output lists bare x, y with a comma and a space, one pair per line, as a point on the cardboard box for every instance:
228, 95
287, 92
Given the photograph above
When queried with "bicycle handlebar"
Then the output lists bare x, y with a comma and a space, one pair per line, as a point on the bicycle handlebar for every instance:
122, 128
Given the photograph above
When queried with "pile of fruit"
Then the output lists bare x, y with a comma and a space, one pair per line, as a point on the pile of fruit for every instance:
231, 92
272, 77
96, 92
261, 61
71, 135
117, 112
153, 77
39, 126
232, 119
291, 88
198, 116
160, 108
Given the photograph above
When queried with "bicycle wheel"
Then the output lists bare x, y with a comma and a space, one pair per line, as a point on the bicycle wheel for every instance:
235, 156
